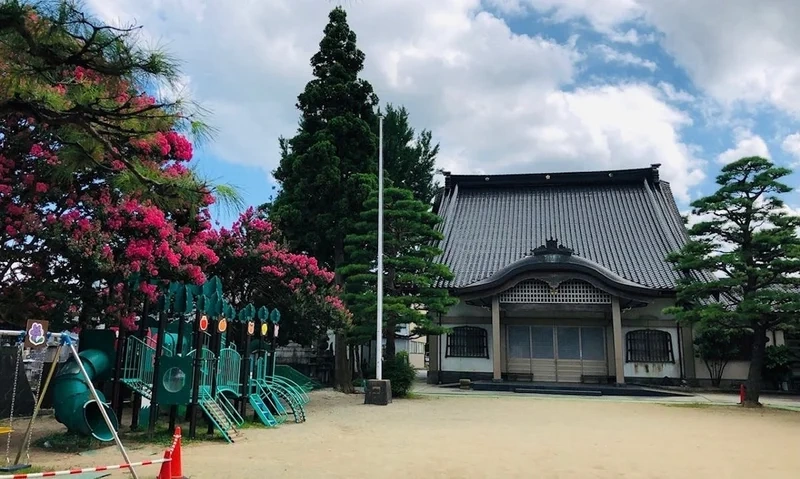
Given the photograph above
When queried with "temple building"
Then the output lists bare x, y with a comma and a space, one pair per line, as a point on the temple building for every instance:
562, 277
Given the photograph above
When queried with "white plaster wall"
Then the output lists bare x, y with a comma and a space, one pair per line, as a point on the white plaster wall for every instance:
477, 365
417, 360
735, 370
651, 311
462, 310
653, 370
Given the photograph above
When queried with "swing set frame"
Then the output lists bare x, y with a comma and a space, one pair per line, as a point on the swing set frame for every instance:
66, 341
39, 394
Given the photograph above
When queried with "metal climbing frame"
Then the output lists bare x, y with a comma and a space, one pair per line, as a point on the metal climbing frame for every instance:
138, 367
206, 366
308, 384
289, 396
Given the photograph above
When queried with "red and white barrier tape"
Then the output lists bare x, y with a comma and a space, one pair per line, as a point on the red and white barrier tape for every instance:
87, 469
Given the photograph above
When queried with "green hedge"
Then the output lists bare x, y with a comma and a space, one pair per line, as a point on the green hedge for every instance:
400, 372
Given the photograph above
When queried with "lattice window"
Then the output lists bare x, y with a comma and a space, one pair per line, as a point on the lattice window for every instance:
572, 292
467, 342
649, 346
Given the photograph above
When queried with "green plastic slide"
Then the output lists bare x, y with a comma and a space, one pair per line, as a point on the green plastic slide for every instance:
74, 405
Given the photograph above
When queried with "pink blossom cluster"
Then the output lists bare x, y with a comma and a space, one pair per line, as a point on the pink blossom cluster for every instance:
86, 224
171, 145
249, 249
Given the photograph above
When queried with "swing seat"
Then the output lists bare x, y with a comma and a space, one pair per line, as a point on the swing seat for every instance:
6, 430
14, 467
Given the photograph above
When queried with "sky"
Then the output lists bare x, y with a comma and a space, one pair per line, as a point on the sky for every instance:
506, 86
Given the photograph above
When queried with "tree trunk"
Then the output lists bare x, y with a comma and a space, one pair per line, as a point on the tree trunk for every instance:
359, 365
344, 372
754, 379
344, 378
716, 368
389, 334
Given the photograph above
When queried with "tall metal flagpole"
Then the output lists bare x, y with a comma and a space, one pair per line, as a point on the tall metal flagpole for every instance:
379, 336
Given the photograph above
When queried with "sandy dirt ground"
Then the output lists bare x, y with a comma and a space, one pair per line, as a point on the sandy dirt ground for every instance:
492, 437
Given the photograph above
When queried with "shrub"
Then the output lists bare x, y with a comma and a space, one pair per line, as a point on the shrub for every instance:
400, 372
777, 365
716, 346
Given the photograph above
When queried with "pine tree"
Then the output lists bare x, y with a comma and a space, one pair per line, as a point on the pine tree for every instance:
408, 160
410, 274
328, 168
750, 244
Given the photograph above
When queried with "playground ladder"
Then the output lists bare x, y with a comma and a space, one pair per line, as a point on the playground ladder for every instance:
222, 415
278, 390
271, 400
262, 411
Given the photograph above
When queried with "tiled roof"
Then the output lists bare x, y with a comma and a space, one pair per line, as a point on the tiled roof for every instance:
624, 220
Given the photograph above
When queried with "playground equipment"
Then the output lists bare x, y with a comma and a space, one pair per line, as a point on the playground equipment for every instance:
75, 405
36, 336
193, 353
282, 394
306, 384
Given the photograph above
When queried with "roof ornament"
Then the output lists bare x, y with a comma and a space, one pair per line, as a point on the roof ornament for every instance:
551, 246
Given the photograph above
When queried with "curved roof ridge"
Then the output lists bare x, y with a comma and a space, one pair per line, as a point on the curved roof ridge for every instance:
553, 260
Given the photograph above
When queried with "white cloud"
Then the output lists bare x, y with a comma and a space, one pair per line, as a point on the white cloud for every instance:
674, 95
747, 144
496, 100
603, 14
744, 52
611, 55
631, 36
791, 145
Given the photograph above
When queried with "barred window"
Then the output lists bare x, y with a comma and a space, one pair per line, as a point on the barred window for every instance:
649, 346
467, 342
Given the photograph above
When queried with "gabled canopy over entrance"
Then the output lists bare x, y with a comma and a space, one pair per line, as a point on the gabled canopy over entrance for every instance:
554, 263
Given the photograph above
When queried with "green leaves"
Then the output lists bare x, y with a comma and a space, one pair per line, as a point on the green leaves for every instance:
741, 266
410, 273
327, 167
409, 159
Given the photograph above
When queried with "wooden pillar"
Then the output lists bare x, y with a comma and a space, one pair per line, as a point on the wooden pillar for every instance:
619, 346
496, 374
687, 354
433, 359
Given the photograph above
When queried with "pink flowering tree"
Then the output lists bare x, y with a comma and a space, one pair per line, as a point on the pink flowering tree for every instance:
95, 183
255, 268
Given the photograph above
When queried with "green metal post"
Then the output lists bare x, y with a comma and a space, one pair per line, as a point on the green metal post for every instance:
198, 345
162, 332
142, 333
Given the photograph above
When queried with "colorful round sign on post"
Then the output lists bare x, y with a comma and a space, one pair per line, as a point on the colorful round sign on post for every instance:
222, 325
203, 323
264, 329
251, 328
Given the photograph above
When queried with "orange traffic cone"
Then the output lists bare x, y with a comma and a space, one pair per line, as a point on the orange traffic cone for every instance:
166, 467
176, 464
